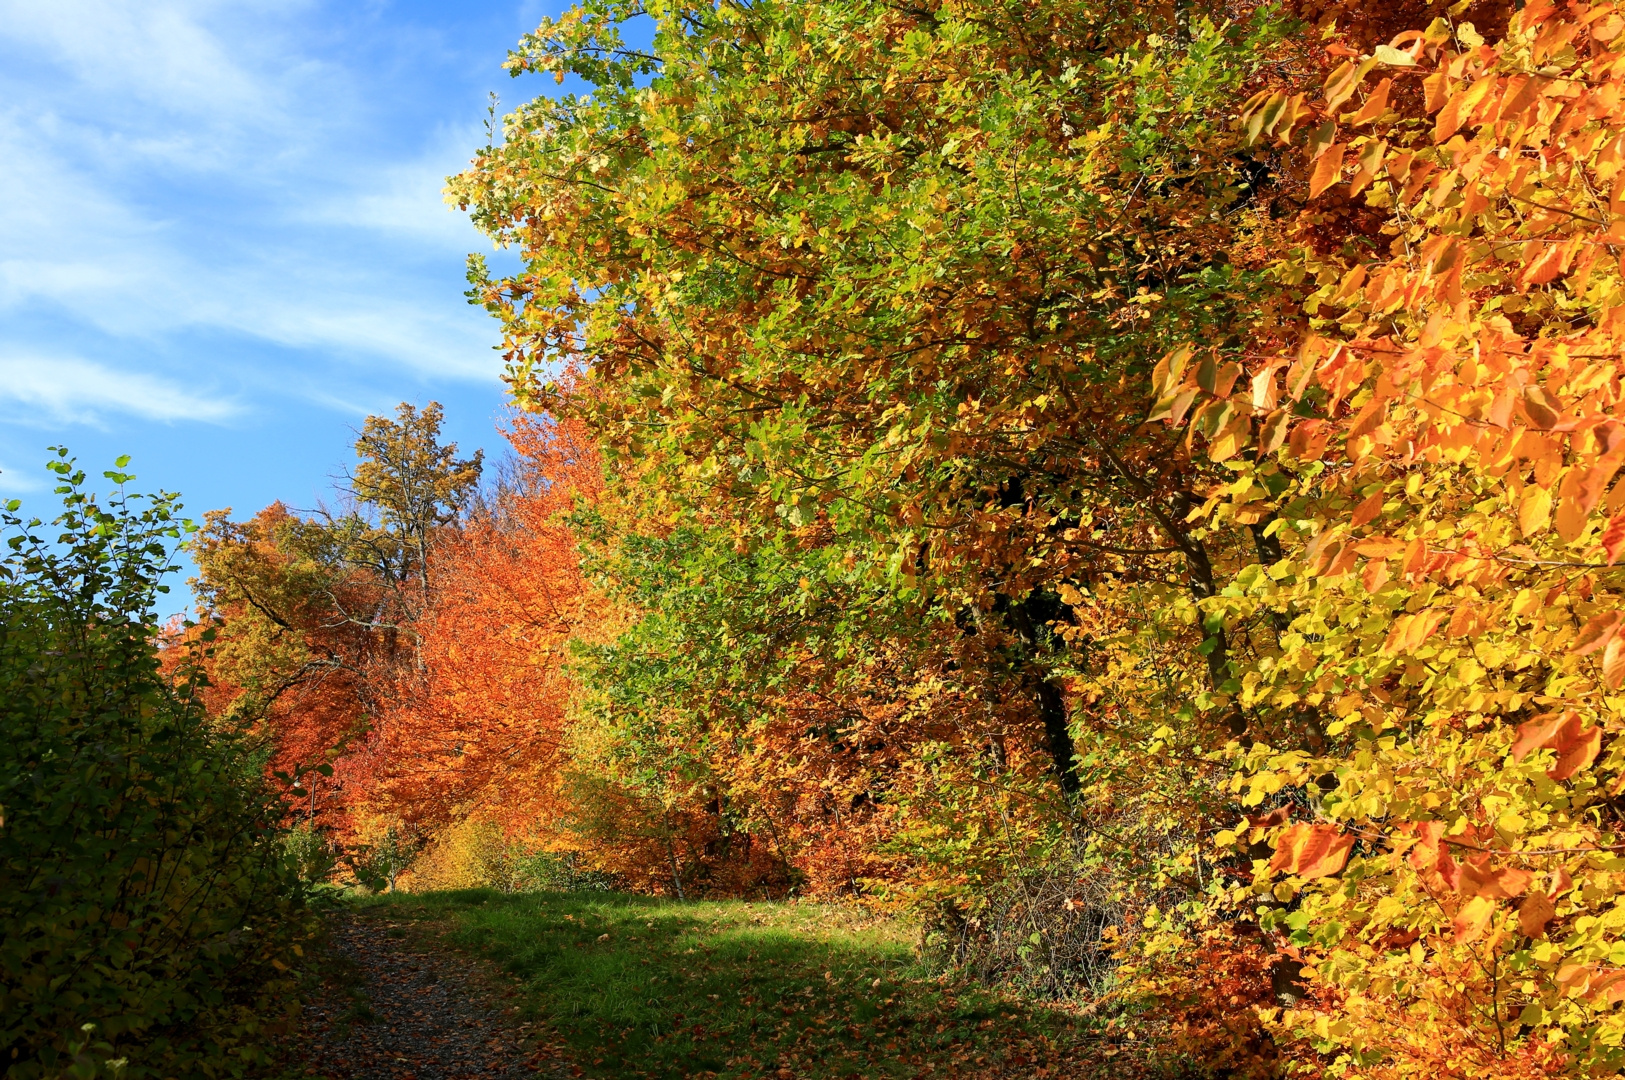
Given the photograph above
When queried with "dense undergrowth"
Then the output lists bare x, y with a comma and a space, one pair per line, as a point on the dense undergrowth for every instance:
148, 919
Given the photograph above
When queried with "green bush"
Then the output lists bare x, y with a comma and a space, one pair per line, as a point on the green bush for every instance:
149, 920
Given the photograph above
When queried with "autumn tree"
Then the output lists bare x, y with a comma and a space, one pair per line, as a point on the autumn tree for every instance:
1438, 455
415, 487
1245, 385
317, 612
476, 725
888, 281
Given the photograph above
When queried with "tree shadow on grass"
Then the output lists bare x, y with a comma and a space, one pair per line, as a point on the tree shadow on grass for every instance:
641, 986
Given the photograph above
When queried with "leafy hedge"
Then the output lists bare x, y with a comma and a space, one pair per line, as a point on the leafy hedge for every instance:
148, 921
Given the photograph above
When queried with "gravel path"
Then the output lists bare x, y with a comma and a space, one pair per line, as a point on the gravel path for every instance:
402, 1008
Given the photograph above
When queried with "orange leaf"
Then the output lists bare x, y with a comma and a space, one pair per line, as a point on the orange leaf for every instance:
1343, 81
1545, 261
1534, 913
1308, 440
1577, 746
1375, 105
1367, 510
1613, 537
1311, 851
1576, 750
1598, 631
1375, 576
1474, 919
1279, 816
1477, 879
1328, 169
1380, 547
1575, 977
1607, 987
1539, 732
1429, 840
1586, 486
1396, 635
1421, 628
1435, 91
1464, 621
1613, 663
1522, 91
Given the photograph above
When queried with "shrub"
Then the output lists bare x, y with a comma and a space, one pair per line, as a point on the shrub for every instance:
148, 918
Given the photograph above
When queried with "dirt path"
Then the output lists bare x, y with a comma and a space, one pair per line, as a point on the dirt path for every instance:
399, 1007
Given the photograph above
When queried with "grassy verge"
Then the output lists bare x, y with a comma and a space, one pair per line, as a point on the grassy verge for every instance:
641, 987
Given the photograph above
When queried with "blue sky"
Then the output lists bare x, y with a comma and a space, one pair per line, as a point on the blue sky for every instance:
222, 237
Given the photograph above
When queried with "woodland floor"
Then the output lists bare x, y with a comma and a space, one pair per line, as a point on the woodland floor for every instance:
443, 986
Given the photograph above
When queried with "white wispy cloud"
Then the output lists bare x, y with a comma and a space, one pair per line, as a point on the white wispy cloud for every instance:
18, 481
173, 166
58, 389
405, 198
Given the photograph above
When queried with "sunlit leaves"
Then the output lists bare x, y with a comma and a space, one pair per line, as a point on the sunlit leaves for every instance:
1311, 851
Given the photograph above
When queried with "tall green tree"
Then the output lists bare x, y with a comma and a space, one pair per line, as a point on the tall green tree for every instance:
898, 274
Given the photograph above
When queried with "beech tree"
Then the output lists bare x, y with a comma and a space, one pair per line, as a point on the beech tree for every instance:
317, 612
1247, 376
895, 273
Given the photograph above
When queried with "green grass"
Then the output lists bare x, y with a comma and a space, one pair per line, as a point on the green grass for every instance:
735, 989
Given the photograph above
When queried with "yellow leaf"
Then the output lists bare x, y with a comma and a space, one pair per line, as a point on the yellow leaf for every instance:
1535, 511
1265, 392
1273, 433
1166, 375
1393, 57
